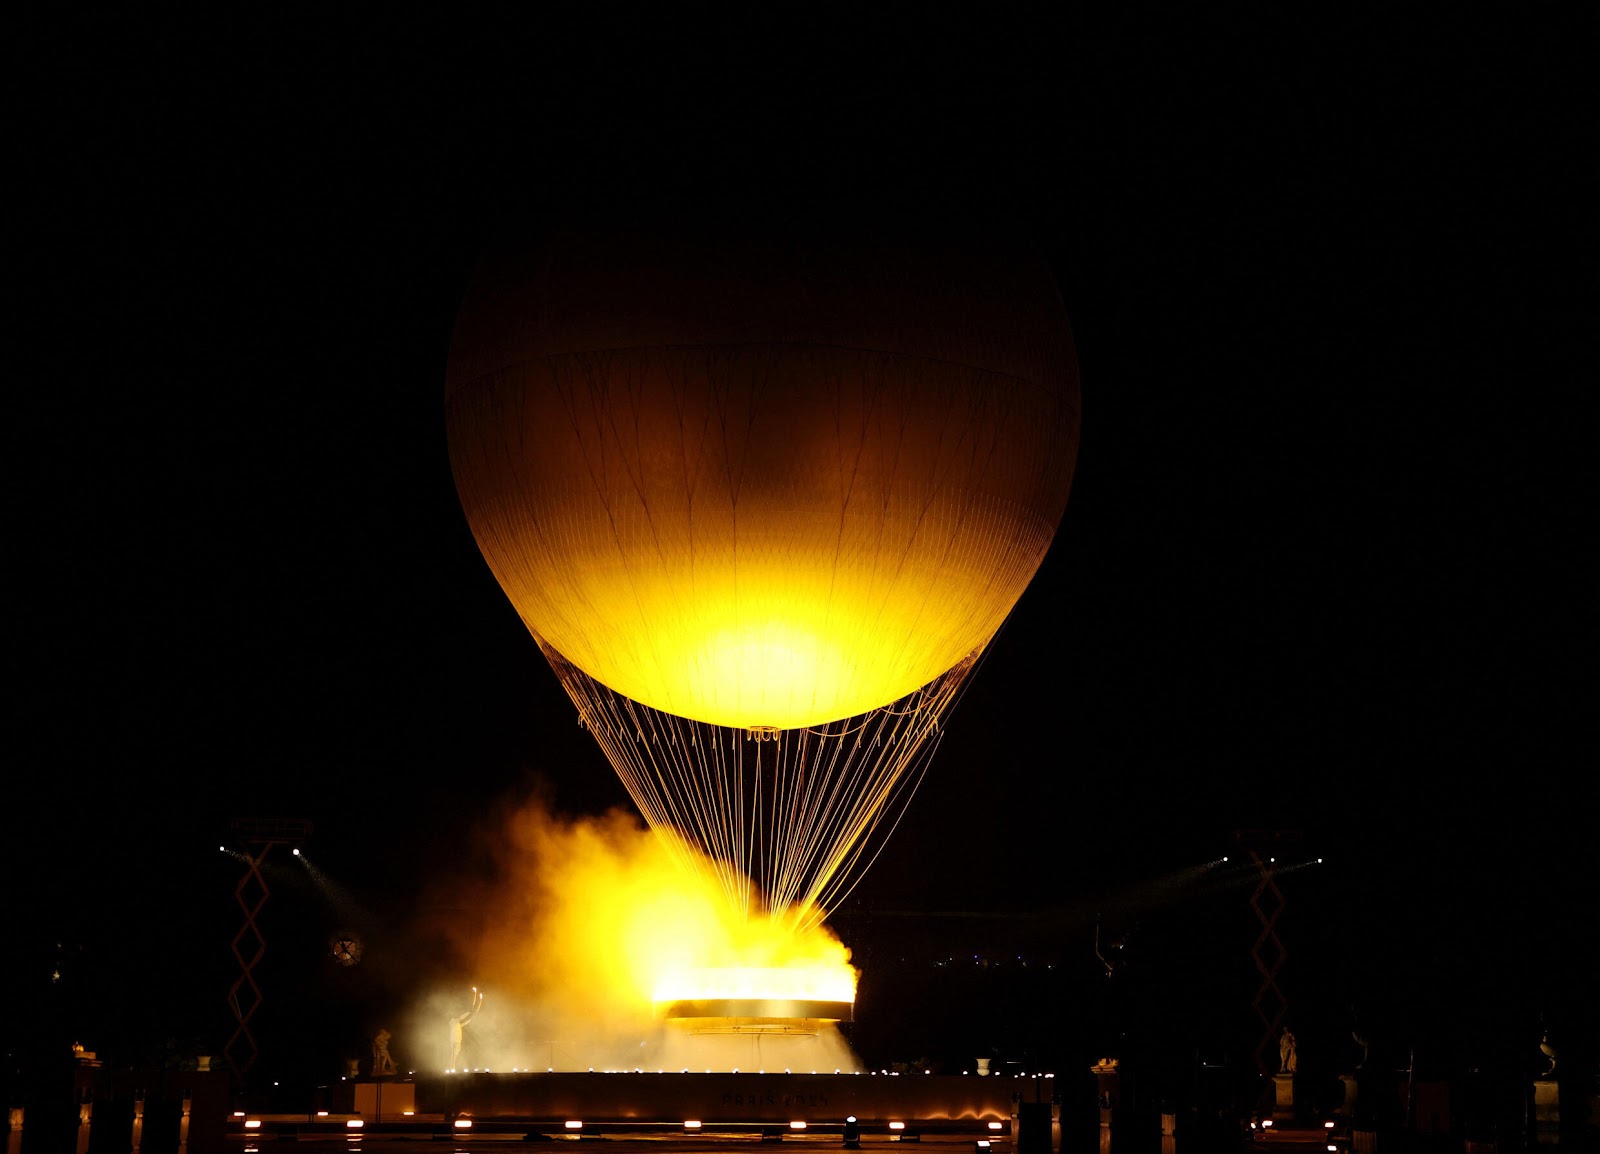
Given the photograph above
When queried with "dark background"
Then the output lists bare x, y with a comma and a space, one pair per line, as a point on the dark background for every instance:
1323, 571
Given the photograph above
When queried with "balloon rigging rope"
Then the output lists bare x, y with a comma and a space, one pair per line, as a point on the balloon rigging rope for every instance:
784, 825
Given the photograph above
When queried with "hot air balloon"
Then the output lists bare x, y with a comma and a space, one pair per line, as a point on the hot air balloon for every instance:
763, 503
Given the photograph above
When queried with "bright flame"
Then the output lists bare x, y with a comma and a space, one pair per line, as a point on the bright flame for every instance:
593, 922
825, 982
634, 924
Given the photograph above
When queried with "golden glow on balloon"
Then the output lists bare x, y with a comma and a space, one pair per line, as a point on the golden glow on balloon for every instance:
763, 506
774, 489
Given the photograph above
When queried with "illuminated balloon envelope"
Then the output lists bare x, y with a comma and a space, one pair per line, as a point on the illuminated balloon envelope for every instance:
763, 506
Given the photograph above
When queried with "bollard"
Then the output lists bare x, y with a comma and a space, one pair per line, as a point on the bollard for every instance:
138, 1121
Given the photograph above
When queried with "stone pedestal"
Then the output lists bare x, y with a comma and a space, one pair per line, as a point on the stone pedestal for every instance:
1105, 1088
1283, 1097
1105, 1084
1352, 1094
1031, 1130
385, 1099
1546, 1110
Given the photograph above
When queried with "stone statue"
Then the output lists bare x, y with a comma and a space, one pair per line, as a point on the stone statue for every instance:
1549, 1051
458, 1026
1287, 1059
382, 1063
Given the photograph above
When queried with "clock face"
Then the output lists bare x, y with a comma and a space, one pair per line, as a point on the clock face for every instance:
346, 948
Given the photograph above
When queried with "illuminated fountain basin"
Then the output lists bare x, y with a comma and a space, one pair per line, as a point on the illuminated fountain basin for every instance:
770, 998
760, 1018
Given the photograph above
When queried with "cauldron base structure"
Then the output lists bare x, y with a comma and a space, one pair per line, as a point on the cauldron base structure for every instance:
721, 1098
644, 1104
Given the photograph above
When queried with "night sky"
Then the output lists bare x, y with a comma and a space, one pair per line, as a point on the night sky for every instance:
1322, 570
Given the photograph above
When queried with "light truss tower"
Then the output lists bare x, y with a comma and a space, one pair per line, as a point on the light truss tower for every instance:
256, 837
1268, 951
